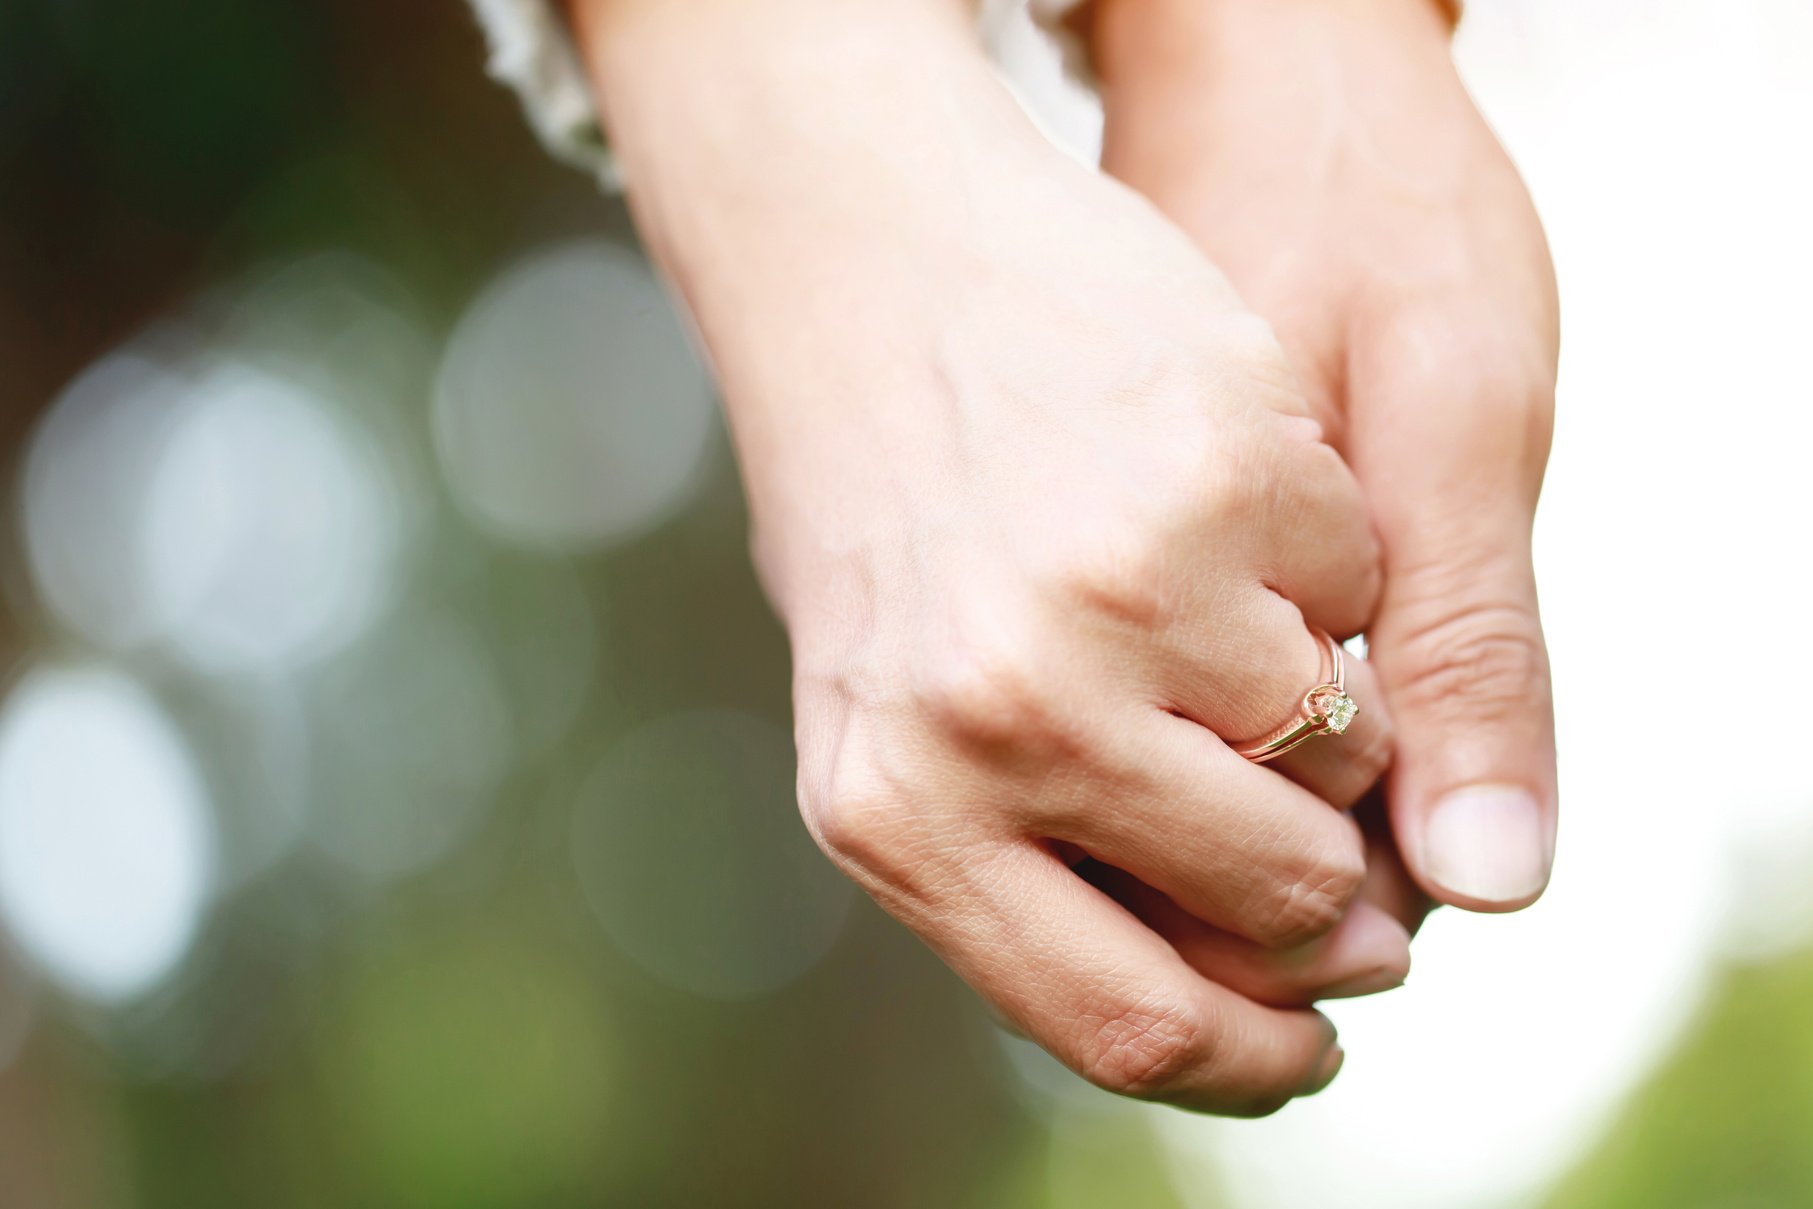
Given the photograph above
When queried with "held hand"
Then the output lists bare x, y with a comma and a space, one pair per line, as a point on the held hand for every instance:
1045, 516
1328, 158
1080, 530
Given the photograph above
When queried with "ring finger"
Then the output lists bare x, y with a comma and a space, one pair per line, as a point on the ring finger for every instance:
1256, 688
1341, 768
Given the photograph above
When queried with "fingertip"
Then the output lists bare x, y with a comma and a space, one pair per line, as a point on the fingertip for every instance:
1332, 1062
1372, 949
1487, 847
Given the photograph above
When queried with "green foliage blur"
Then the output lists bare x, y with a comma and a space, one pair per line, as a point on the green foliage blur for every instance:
467, 1036
1728, 1120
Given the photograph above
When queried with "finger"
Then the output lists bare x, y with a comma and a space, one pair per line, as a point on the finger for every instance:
1076, 972
1389, 886
1320, 552
1457, 641
1233, 843
1367, 952
1341, 768
1281, 659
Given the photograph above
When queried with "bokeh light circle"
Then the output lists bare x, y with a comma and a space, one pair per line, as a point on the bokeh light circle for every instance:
87, 473
268, 523
694, 860
571, 411
252, 745
412, 736
106, 840
227, 514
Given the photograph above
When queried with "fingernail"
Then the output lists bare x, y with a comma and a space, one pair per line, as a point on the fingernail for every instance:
1385, 978
1325, 1074
1487, 842
1371, 949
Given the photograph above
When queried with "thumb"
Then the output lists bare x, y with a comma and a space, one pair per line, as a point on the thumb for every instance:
1452, 462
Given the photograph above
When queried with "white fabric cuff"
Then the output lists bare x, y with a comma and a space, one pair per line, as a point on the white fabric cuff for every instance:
533, 54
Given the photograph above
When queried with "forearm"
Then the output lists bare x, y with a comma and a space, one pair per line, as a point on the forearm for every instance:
1144, 47
1276, 101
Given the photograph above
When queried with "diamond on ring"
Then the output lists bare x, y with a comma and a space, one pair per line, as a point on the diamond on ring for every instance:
1336, 708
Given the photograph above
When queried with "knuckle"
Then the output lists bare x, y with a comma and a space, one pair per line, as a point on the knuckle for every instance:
1327, 483
1141, 1049
989, 694
1251, 342
1118, 574
858, 814
881, 843
1489, 663
1315, 477
1274, 473
1310, 905
870, 806
857, 831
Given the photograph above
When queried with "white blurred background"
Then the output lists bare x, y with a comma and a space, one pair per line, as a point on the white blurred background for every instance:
1669, 147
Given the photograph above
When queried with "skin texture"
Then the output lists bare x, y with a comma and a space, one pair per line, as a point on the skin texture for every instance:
1326, 156
1045, 512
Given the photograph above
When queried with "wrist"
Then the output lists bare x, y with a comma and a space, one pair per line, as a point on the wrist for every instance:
1135, 44
1190, 85
742, 128
812, 177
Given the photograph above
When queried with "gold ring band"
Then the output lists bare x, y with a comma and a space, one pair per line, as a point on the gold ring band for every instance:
1325, 709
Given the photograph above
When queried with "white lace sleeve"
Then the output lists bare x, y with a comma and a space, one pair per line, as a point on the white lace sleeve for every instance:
1050, 16
532, 53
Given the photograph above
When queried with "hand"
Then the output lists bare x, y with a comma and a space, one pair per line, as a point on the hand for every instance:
1044, 516
1326, 156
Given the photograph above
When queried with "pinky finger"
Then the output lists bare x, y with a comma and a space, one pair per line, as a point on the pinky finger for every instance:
1367, 952
1076, 972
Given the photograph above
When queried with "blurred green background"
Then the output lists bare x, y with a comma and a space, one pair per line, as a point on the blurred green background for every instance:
395, 789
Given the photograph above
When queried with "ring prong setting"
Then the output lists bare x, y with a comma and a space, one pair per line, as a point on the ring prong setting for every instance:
1333, 708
